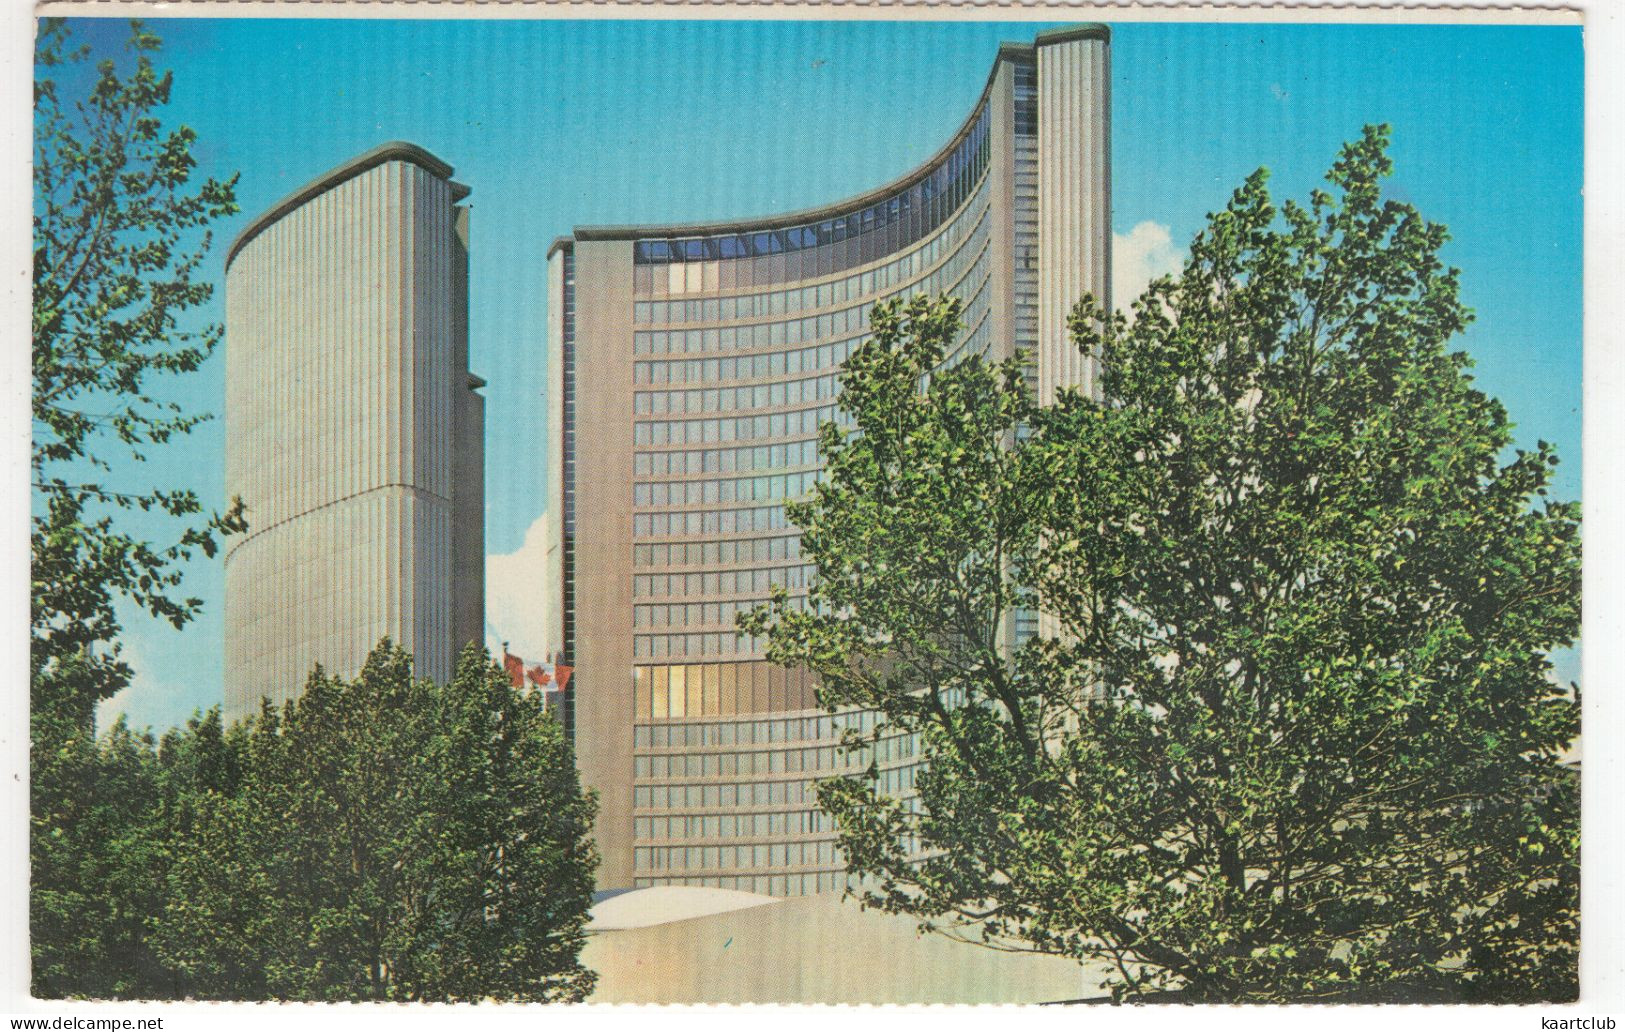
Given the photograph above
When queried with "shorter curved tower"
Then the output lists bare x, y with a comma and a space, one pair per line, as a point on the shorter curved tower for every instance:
353, 431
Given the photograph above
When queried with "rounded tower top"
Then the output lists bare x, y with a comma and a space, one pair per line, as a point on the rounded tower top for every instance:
394, 150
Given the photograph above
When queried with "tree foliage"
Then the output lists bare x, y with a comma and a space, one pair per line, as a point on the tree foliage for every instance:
90, 905
390, 839
378, 839
1290, 732
382, 838
118, 238
115, 208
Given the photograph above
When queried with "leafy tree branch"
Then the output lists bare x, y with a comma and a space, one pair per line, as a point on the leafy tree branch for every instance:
1292, 733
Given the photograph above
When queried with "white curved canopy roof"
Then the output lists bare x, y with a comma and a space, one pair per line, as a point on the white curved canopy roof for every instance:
664, 904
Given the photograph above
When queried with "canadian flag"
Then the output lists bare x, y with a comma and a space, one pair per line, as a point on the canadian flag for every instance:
549, 677
561, 674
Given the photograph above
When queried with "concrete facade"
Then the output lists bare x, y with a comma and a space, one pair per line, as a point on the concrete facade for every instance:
694, 365
354, 433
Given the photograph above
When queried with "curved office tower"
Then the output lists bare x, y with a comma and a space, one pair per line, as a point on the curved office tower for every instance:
353, 431
694, 365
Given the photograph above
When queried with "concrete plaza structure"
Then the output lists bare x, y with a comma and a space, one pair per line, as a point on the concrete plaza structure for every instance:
691, 366
354, 433
676, 944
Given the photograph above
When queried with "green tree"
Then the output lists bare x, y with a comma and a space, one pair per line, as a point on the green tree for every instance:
132, 800
1291, 732
118, 238
90, 912
387, 839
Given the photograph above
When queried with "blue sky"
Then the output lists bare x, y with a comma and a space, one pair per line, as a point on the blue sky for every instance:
561, 123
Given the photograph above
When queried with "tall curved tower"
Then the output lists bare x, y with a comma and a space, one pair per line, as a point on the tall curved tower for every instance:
353, 431
703, 358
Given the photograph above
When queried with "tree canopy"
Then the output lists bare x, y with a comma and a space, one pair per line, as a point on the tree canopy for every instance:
119, 235
1289, 731
388, 839
380, 838
119, 232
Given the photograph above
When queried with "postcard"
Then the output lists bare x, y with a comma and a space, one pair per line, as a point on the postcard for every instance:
978, 507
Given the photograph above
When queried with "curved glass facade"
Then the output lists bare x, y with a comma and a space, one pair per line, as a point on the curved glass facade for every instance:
731, 803
704, 359
729, 400
831, 244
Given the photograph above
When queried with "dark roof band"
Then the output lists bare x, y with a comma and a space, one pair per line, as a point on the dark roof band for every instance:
1088, 30
394, 150
823, 211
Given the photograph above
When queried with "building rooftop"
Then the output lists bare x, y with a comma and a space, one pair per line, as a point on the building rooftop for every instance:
394, 150
1088, 30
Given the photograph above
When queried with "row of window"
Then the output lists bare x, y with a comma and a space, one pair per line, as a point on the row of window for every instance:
712, 521
567, 594
752, 857
733, 825
1024, 80
670, 691
711, 553
726, 460
697, 645
699, 614
920, 205
849, 240
971, 228
723, 734
725, 797
731, 399
820, 760
804, 422
745, 338
892, 782
762, 885
716, 275
720, 582
746, 367
736, 489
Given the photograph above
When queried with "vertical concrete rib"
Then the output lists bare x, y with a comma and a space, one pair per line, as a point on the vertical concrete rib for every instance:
554, 632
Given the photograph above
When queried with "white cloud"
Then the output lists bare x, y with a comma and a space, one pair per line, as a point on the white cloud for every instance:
148, 701
1146, 252
517, 609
